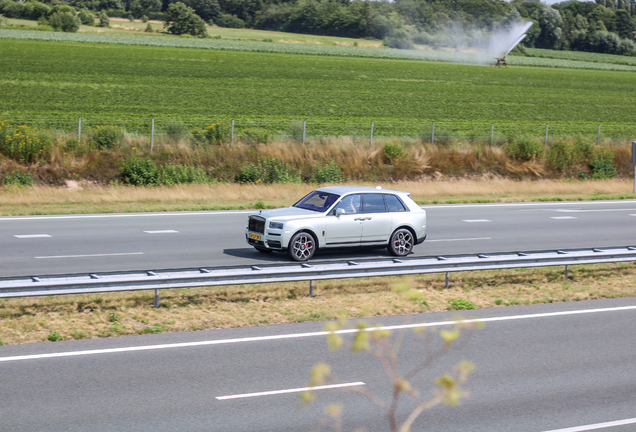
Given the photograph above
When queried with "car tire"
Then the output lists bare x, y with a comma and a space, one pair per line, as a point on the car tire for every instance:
263, 250
301, 247
401, 242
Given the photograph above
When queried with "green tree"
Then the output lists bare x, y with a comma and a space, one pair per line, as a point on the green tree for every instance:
140, 8
104, 21
181, 19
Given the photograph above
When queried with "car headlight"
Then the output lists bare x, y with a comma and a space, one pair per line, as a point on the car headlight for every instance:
276, 225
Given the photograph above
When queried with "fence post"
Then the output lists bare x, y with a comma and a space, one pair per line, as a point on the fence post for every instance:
79, 130
546, 135
232, 134
433, 134
304, 125
598, 136
152, 134
371, 141
492, 132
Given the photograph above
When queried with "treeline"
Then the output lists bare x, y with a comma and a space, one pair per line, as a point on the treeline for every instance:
606, 26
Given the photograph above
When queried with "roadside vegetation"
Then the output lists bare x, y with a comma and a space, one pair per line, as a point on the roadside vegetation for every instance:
117, 314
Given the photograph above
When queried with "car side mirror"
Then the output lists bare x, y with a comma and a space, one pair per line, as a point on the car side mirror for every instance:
338, 212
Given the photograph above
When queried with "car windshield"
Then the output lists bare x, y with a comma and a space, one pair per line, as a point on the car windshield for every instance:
317, 201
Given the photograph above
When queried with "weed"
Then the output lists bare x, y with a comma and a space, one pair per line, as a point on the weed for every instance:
18, 178
460, 304
106, 137
54, 337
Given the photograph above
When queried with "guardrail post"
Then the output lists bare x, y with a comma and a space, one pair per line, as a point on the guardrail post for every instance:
567, 270
156, 297
311, 288
446, 286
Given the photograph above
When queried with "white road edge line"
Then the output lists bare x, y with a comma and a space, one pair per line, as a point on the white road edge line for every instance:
311, 334
220, 212
596, 426
528, 204
296, 390
459, 239
161, 232
88, 256
25, 236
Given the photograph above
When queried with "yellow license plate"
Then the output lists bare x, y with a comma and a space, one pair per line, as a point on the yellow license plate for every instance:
255, 236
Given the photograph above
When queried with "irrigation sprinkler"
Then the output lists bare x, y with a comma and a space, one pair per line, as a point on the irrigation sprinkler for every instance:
501, 61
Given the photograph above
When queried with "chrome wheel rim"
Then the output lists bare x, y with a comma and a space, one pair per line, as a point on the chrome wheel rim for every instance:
402, 242
303, 247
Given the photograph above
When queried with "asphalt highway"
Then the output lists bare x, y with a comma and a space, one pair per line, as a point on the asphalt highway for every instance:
44, 245
538, 368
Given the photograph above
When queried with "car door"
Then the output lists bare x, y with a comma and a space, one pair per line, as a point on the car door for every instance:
377, 224
346, 229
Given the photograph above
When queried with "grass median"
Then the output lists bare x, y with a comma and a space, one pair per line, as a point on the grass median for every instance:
40, 319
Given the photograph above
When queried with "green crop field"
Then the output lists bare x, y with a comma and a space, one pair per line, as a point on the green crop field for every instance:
52, 83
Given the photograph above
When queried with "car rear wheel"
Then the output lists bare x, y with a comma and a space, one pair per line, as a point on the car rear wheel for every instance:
401, 243
301, 247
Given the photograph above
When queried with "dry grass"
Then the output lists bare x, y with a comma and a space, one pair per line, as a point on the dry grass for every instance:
86, 197
92, 316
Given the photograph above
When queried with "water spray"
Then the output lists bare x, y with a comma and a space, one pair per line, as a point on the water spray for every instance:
501, 61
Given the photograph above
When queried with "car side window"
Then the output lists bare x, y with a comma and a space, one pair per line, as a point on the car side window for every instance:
394, 204
350, 204
373, 203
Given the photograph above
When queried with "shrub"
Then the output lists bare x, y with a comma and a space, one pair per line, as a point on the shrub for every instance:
106, 137
175, 129
140, 172
229, 21
65, 21
603, 166
560, 155
177, 174
18, 178
525, 150
268, 171
86, 17
460, 304
393, 151
218, 133
104, 21
330, 173
255, 135
23, 143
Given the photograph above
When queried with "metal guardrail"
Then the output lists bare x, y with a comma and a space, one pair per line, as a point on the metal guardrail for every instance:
190, 278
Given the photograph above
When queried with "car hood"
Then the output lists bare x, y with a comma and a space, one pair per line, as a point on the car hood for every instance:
287, 213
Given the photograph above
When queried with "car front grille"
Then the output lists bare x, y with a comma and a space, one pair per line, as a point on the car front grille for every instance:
256, 224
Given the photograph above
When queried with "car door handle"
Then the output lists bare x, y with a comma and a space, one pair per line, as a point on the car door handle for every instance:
359, 219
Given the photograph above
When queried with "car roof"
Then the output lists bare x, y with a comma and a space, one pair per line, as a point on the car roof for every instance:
343, 190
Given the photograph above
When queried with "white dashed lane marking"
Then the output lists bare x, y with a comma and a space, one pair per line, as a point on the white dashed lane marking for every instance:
32, 236
161, 232
91, 255
476, 220
294, 390
563, 217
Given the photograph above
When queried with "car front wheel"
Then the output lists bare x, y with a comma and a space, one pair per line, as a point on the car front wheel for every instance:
301, 247
401, 243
